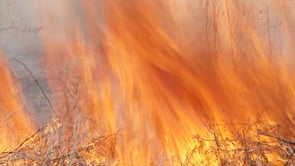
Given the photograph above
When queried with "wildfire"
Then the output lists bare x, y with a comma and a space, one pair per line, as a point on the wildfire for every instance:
165, 75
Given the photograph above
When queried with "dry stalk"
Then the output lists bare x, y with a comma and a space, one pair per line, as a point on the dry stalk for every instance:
55, 144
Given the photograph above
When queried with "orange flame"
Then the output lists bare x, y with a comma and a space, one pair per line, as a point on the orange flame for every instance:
14, 124
162, 72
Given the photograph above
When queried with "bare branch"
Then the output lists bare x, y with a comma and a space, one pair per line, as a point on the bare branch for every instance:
36, 81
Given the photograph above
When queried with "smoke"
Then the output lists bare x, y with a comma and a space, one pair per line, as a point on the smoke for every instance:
19, 39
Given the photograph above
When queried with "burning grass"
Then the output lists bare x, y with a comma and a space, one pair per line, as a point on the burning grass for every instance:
266, 147
71, 144
63, 144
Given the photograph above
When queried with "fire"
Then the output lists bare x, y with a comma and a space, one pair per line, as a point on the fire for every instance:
15, 125
165, 74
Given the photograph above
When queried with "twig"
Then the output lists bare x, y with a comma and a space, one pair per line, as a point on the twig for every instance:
265, 133
9, 27
21, 144
36, 81
27, 29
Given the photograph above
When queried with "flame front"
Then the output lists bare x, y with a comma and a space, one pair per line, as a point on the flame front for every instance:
163, 72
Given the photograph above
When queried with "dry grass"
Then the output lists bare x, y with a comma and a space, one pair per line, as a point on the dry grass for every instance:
72, 144
247, 146
63, 144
